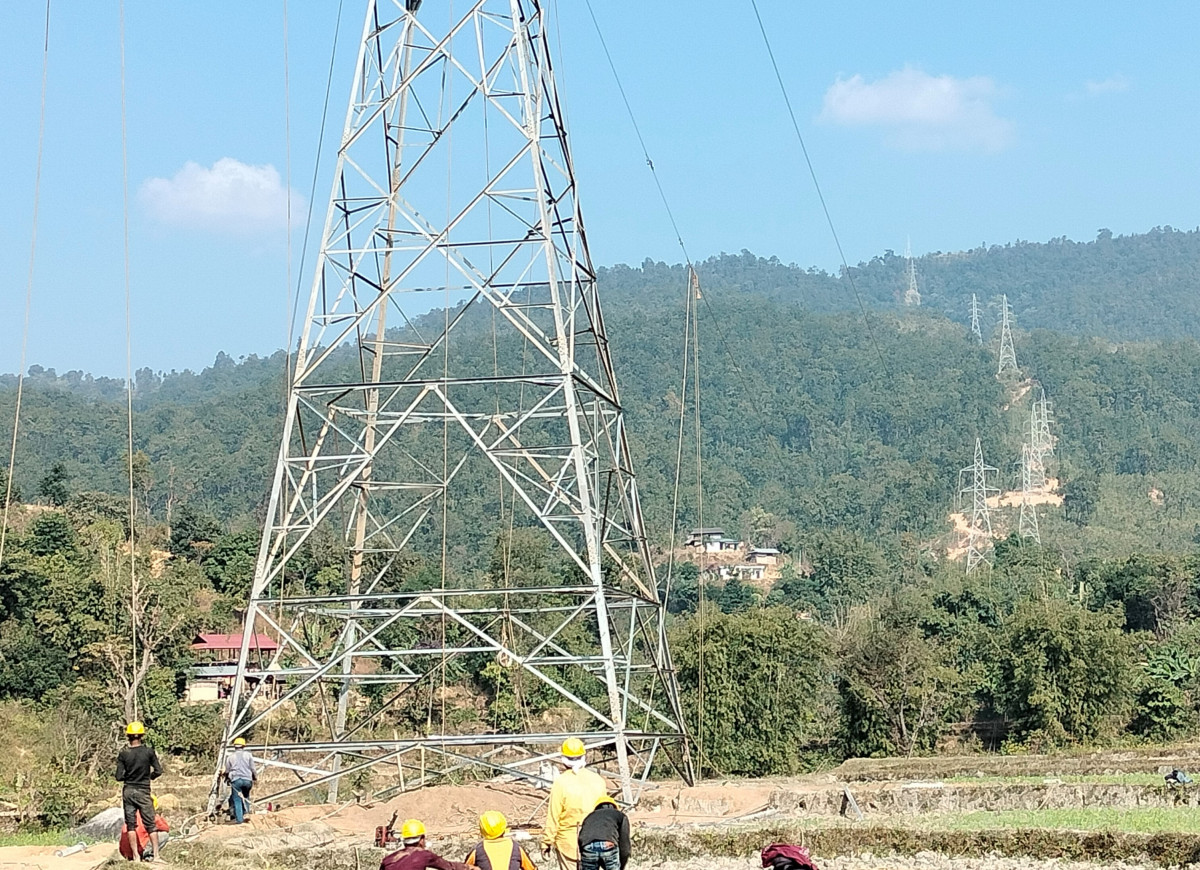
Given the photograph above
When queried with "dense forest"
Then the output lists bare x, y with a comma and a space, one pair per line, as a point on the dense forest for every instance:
835, 436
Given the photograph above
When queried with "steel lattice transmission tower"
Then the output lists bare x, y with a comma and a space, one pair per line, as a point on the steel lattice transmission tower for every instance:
973, 488
454, 187
1040, 436
1008, 354
975, 330
1027, 525
912, 295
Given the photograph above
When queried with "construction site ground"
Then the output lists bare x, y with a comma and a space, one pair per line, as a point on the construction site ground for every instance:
947, 813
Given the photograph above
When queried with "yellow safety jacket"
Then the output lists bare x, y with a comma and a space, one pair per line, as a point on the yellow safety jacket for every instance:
572, 797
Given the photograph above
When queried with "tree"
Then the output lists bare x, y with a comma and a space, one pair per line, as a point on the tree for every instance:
736, 596
53, 486
765, 690
7, 496
891, 674
193, 534
1081, 495
49, 533
1063, 673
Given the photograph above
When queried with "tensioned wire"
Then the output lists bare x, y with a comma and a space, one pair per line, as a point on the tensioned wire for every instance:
133, 582
37, 187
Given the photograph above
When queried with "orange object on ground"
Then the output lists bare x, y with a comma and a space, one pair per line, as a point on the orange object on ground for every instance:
160, 825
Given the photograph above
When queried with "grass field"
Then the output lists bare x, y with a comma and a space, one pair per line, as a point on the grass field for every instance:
51, 837
1152, 820
1070, 779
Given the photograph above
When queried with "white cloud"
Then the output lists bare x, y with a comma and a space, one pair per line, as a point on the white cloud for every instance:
921, 112
1116, 84
230, 195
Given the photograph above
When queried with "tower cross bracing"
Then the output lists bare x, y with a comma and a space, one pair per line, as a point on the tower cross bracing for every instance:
454, 187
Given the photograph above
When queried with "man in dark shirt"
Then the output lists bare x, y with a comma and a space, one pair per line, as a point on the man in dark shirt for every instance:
137, 764
604, 837
414, 855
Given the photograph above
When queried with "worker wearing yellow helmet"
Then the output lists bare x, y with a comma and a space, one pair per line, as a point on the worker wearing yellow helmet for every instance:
413, 855
572, 797
137, 764
496, 851
240, 773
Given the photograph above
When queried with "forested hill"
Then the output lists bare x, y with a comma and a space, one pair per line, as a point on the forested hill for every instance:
1142, 286
821, 420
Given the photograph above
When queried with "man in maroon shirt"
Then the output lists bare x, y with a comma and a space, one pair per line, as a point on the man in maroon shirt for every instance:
414, 855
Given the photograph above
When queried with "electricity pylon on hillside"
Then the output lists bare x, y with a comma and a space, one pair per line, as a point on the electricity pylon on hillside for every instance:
1041, 438
1033, 459
975, 330
454, 187
973, 488
912, 295
1027, 525
1008, 354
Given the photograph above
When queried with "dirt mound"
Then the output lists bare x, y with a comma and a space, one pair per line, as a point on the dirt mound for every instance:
446, 809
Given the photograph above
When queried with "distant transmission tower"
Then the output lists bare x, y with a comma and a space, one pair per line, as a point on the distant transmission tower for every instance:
454, 190
974, 488
1040, 437
1027, 527
912, 296
1008, 354
975, 330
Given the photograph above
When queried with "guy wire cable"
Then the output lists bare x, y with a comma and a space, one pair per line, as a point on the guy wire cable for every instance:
37, 187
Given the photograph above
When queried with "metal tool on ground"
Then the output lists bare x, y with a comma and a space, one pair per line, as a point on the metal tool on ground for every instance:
386, 834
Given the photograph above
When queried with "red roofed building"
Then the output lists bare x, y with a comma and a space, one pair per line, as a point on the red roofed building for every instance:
225, 643
217, 660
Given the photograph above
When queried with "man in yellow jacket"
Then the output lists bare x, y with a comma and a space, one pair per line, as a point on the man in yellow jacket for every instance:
572, 797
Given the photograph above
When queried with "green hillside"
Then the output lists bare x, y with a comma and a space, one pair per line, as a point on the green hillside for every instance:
837, 438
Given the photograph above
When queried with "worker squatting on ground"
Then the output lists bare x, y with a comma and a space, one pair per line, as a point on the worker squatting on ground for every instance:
604, 837
573, 796
496, 851
144, 847
413, 855
137, 764
239, 771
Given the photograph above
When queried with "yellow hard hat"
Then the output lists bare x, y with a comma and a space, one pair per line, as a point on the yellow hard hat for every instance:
605, 799
573, 748
135, 728
492, 825
239, 741
412, 829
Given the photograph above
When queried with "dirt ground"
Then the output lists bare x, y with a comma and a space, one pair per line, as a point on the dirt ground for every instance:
43, 857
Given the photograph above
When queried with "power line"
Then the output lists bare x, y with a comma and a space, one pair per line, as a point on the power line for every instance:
37, 187
816, 184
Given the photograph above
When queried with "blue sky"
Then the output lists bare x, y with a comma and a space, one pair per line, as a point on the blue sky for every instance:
950, 123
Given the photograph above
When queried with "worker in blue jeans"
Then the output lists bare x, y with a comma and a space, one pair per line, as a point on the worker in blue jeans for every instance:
604, 837
239, 770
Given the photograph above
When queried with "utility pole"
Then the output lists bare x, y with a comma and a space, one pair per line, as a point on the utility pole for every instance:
975, 330
454, 190
975, 490
1027, 526
912, 296
1008, 354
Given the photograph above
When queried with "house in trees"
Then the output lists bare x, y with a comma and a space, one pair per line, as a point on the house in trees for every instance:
712, 540
216, 661
763, 556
